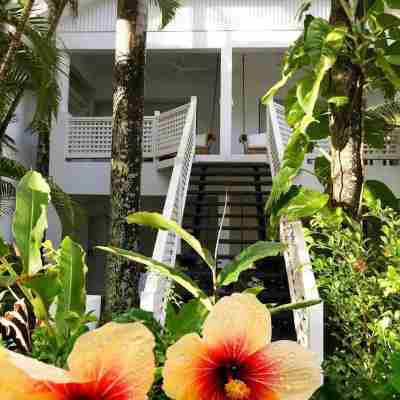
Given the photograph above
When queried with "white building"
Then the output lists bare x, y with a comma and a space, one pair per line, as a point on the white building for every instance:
226, 53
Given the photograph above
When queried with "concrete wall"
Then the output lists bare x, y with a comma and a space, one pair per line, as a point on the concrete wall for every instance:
25, 143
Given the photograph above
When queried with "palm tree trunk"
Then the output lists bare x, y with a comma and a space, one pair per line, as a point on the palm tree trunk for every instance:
346, 128
121, 277
15, 41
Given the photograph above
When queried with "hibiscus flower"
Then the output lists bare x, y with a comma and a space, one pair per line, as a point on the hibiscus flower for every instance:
114, 362
236, 361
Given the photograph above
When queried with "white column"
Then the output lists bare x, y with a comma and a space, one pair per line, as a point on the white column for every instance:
59, 132
226, 98
58, 138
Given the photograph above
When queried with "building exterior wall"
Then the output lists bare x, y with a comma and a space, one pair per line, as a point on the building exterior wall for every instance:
202, 15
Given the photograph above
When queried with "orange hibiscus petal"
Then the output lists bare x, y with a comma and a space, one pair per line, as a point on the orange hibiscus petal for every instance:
238, 320
116, 358
24, 378
179, 373
298, 372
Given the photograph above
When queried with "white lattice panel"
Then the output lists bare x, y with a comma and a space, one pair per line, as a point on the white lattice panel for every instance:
149, 130
91, 137
170, 130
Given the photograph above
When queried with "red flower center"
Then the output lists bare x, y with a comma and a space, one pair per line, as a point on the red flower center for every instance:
230, 372
108, 387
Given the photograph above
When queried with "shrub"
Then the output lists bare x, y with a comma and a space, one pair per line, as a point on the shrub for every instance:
358, 266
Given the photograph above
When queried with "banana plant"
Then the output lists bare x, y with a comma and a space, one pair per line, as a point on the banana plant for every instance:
52, 280
197, 309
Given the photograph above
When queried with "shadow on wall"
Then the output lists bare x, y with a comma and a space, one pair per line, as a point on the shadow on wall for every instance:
97, 234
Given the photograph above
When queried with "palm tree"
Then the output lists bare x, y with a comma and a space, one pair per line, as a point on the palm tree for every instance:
31, 62
128, 103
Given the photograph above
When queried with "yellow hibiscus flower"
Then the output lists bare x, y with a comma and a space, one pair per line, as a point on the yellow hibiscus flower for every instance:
236, 361
114, 362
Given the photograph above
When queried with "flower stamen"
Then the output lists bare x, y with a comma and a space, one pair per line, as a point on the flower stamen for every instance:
236, 389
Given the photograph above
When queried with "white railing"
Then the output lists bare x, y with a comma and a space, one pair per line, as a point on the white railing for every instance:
91, 137
309, 322
391, 150
154, 288
171, 124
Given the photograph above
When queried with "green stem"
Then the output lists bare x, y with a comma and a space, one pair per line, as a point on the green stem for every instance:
294, 306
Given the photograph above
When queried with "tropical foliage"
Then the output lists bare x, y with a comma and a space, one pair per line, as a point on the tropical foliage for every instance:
341, 61
52, 281
358, 270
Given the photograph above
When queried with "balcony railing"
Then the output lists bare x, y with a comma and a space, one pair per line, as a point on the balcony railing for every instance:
90, 138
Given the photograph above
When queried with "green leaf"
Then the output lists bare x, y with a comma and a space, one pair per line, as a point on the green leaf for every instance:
293, 111
164, 270
45, 284
138, 315
319, 129
386, 21
322, 169
294, 306
254, 290
316, 34
339, 101
158, 221
392, 54
246, 259
375, 7
376, 190
72, 272
189, 319
393, 4
323, 42
293, 159
6, 280
294, 59
68, 210
388, 70
4, 248
30, 220
375, 129
301, 203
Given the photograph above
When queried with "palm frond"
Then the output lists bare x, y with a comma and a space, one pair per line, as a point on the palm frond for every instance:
168, 10
35, 67
69, 211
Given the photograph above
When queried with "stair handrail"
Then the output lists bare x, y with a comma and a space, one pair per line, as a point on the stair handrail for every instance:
154, 288
309, 322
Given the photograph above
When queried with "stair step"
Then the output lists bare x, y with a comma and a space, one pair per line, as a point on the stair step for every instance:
207, 215
230, 173
231, 165
223, 193
224, 228
230, 203
262, 182
236, 241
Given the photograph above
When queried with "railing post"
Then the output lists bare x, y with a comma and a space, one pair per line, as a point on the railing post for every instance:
155, 134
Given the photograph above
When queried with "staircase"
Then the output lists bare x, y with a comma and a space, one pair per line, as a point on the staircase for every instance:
244, 187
